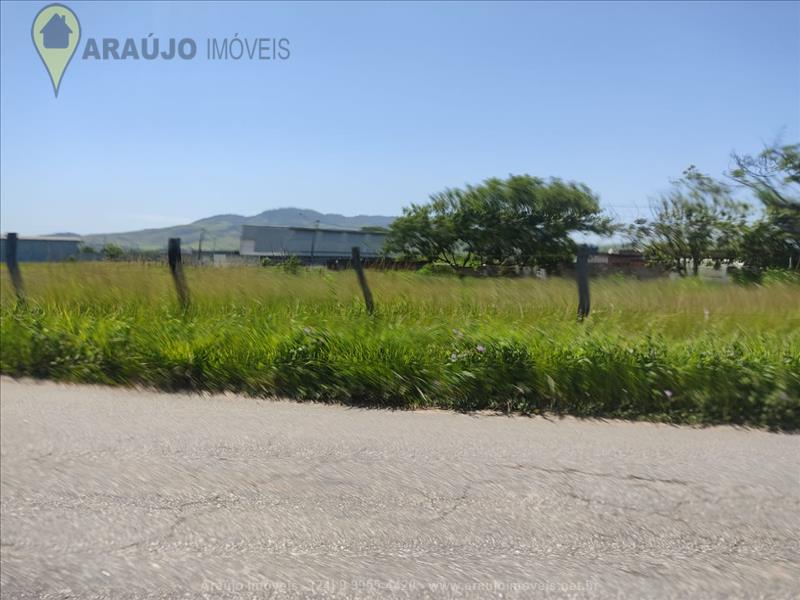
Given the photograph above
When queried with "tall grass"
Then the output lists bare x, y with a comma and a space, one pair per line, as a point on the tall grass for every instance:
683, 351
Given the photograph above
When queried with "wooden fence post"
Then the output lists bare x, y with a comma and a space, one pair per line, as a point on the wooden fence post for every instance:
176, 267
582, 274
362, 280
13, 266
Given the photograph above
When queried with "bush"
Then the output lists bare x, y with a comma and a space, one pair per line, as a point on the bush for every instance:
771, 276
291, 265
112, 252
436, 269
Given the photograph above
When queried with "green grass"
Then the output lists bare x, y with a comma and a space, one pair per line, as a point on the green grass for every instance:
679, 351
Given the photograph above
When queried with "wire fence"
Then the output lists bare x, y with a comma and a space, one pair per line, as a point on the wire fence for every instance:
174, 258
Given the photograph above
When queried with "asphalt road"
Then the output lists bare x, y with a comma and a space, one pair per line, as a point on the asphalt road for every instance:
134, 494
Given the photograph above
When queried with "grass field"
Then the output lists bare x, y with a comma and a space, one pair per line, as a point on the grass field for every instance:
681, 351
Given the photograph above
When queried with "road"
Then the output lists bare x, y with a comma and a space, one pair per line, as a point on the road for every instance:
120, 493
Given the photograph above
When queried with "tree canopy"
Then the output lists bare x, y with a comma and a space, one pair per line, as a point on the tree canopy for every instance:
774, 176
697, 220
524, 220
520, 220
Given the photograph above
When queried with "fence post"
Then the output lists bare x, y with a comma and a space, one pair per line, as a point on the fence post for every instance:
176, 267
582, 274
13, 266
362, 280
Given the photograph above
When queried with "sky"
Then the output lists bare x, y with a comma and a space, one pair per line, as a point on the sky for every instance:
382, 104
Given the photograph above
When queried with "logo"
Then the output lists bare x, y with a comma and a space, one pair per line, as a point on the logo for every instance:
56, 32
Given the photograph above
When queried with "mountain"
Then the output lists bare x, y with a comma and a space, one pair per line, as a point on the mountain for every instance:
222, 231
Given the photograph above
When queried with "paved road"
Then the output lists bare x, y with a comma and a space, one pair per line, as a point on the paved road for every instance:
119, 493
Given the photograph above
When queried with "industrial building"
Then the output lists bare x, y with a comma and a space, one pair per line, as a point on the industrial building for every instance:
43, 249
310, 245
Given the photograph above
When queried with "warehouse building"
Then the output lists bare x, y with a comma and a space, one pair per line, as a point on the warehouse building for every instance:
310, 245
43, 249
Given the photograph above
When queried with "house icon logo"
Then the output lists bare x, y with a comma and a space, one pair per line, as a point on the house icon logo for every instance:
56, 33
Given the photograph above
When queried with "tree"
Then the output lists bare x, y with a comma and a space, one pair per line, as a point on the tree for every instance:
774, 176
697, 220
424, 232
112, 252
521, 220
764, 246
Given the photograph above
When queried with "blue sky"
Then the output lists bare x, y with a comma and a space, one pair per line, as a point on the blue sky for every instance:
382, 104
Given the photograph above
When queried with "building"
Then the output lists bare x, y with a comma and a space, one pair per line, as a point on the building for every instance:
311, 245
623, 262
43, 249
620, 259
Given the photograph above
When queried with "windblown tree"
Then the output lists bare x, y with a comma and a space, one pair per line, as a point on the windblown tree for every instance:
425, 232
774, 177
521, 220
696, 221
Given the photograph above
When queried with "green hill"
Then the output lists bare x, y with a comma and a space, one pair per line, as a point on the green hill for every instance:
222, 232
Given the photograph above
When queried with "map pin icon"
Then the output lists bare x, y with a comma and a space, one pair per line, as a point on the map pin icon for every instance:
56, 33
